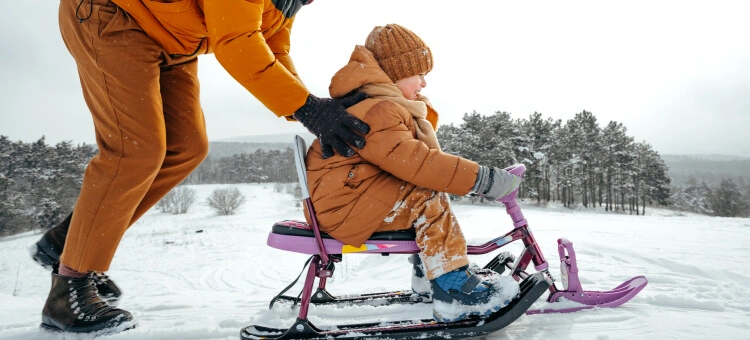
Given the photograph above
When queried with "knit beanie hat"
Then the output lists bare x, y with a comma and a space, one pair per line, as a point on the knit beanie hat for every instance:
399, 52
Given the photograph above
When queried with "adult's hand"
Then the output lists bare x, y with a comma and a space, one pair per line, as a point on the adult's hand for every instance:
327, 119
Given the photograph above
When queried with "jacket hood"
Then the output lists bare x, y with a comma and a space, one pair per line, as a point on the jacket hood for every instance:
361, 69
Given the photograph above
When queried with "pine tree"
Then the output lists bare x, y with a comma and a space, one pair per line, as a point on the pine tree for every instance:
574, 166
653, 179
617, 164
727, 200
498, 140
537, 178
585, 144
692, 196
643, 166
448, 136
468, 143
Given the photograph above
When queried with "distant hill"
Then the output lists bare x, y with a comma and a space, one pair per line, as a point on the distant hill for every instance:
248, 144
275, 138
709, 168
710, 157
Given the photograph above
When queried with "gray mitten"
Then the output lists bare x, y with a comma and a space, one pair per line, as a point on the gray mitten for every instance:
495, 183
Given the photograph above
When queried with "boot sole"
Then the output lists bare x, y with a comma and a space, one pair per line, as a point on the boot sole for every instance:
453, 317
107, 328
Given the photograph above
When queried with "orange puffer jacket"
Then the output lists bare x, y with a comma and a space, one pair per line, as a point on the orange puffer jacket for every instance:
250, 39
352, 196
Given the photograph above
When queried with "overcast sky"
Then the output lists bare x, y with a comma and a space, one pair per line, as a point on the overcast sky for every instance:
675, 73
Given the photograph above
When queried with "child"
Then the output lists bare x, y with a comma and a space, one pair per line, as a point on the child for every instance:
399, 179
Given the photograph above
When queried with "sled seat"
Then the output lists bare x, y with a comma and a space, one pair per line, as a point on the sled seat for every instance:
299, 237
301, 228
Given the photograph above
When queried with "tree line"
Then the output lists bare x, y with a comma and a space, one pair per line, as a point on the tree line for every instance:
576, 162
728, 197
573, 162
260, 166
39, 184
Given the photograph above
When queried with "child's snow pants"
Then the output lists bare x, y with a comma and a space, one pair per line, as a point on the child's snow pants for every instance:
148, 122
439, 237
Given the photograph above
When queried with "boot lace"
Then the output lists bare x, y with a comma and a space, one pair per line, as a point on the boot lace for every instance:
85, 297
100, 278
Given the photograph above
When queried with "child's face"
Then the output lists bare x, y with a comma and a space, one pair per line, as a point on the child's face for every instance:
411, 86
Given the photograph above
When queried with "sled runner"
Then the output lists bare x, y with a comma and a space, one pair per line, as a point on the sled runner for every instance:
301, 237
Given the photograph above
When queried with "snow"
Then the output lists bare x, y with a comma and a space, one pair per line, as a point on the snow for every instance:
203, 276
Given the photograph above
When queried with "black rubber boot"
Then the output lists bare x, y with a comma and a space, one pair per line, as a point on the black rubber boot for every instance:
73, 305
47, 250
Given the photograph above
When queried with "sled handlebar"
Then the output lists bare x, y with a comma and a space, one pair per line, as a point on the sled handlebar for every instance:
516, 169
509, 200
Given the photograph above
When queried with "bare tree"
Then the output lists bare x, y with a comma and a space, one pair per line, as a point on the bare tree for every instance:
225, 201
177, 201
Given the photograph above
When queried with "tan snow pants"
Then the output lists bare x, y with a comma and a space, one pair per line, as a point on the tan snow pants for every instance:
148, 122
439, 237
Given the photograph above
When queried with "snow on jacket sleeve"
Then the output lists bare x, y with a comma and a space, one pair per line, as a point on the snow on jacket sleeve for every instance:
391, 146
235, 28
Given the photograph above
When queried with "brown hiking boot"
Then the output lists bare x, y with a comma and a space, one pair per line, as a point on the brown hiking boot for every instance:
47, 250
74, 305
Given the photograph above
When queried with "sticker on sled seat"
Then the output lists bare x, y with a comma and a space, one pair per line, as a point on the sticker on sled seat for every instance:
295, 224
365, 247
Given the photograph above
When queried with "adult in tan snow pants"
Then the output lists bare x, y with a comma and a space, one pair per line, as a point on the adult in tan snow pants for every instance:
138, 68
149, 129
150, 133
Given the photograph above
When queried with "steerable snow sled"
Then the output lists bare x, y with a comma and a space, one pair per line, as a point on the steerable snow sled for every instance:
301, 237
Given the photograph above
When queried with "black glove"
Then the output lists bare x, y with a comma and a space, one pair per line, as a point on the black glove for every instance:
327, 119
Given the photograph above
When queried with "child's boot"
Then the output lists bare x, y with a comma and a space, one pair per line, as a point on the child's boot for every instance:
462, 293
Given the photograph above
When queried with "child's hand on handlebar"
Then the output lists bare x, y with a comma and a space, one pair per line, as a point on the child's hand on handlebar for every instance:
495, 183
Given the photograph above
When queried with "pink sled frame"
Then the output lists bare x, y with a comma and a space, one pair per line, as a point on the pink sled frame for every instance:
321, 249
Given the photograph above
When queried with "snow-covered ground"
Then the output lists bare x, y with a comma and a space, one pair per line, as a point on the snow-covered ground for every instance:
202, 276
